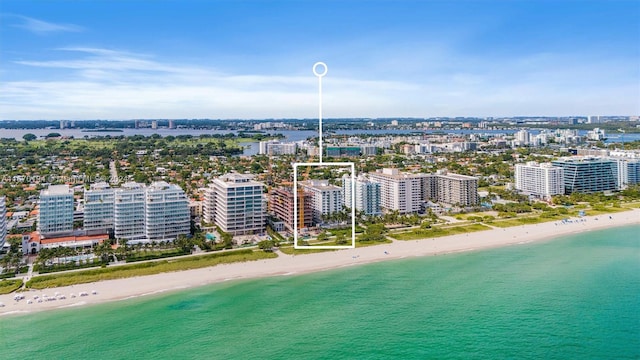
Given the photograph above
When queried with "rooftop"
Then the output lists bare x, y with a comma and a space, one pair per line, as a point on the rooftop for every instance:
163, 185
57, 190
100, 186
64, 239
393, 173
319, 185
237, 180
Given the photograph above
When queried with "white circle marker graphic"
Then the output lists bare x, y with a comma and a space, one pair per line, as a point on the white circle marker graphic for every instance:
315, 69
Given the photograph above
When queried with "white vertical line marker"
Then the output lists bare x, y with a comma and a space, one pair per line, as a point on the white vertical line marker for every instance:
320, 75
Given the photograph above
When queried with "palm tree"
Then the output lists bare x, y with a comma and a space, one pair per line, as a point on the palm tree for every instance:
103, 250
4, 262
123, 248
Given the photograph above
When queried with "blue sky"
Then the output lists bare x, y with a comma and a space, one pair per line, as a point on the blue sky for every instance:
253, 59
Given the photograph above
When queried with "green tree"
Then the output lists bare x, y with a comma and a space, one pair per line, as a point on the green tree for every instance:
374, 232
184, 243
323, 236
266, 245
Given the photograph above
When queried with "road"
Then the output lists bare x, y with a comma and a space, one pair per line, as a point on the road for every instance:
114, 173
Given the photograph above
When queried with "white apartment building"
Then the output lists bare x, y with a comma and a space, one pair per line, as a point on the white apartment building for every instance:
540, 180
273, 148
3, 221
129, 212
593, 119
367, 194
325, 198
235, 203
522, 137
596, 134
627, 171
402, 192
166, 212
56, 210
98, 207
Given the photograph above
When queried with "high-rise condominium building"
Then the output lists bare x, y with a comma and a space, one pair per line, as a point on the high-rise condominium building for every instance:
456, 189
402, 192
235, 203
367, 194
522, 137
628, 172
281, 206
588, 175
539, 180
277, 148
3, 221
325, 198
98, 207
593, 119
129, 212
56, 210
166, 212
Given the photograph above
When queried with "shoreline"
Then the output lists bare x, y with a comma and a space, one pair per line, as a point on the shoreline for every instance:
288, 265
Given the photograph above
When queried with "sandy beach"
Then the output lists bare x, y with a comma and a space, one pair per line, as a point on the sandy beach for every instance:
285, 265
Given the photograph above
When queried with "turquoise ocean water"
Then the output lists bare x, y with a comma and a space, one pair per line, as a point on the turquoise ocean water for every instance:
572, 298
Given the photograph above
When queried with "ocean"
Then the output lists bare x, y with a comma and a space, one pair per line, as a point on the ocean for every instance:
577, 297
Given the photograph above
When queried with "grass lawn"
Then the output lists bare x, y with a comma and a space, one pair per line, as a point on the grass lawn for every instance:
419, 234
147, 268
467, 215
632, 205
504, 223
608, 210
9, 286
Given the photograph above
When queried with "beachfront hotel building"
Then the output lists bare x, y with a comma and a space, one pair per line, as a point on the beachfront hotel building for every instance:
166, 212
539, 180
367, 194
325, 198
456, 189
588, 175
402, 192
281, 206
129, 212
3, 221
56, 210
98, 207
235, 203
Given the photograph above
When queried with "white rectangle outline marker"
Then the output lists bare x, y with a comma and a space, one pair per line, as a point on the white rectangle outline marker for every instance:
353, 206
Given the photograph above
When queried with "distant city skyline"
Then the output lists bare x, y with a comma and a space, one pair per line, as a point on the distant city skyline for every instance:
253, 59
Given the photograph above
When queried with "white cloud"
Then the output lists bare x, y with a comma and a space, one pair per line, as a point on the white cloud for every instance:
41, 27
104, 83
